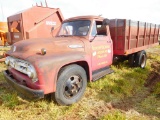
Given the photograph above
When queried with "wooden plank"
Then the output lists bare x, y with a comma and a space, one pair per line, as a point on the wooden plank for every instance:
138, 34
154, 34
129, 36
115, 34
145, 29
158, 32
125, 28
150, 33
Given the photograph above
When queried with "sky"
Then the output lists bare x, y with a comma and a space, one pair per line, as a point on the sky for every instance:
139, 10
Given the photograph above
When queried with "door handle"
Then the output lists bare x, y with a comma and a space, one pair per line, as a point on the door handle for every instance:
108, 41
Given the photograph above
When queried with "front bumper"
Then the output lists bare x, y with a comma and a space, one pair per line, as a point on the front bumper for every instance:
25, 91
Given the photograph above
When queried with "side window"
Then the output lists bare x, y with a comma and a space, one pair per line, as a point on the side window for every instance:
98, 29
101, 29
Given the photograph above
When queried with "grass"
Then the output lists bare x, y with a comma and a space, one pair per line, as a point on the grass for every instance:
118, 96
3, 50
114, 115
157, 89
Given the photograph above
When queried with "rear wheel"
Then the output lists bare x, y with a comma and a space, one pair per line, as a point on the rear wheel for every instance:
131, 60
71, 85
141, 59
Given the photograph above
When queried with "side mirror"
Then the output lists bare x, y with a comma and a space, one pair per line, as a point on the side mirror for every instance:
106, 21
52, 28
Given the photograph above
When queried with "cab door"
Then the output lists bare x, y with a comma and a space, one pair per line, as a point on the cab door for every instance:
101, 47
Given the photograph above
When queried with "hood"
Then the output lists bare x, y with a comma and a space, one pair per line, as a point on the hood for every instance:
51, 45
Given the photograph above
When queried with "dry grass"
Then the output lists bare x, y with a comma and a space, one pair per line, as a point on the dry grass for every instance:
118, 96
3, 50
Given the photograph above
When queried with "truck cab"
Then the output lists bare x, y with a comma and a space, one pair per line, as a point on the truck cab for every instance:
96, 37
81, 51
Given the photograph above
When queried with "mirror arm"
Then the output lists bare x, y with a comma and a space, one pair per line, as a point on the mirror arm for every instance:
93, 38
52, 28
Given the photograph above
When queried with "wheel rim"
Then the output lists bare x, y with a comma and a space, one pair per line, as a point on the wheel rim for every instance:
73, 86
143, 61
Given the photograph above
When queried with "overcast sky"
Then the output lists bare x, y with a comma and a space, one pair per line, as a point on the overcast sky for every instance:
140, 10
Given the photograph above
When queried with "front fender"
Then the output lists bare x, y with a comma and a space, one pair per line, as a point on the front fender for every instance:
48, 66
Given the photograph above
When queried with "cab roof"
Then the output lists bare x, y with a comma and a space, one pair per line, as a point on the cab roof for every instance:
85, 18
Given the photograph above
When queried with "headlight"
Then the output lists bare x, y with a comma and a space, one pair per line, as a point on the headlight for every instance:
13, 48
31, 72
7, 61
22, 66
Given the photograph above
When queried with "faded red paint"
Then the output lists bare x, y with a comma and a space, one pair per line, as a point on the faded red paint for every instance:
35, 22
132, 36
96, 53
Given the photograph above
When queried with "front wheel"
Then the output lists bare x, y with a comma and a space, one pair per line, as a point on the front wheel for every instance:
71, 84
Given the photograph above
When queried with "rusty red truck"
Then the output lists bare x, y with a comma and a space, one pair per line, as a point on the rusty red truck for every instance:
82, 51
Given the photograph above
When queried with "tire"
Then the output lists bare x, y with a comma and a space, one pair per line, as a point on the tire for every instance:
141, 59
71, 84
131, 60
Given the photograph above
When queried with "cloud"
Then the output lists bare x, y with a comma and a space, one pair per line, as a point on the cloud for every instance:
142, 10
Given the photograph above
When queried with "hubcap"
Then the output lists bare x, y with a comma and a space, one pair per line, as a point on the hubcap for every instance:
73, 86
143, 61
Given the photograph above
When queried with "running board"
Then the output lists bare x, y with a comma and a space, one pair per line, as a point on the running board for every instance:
101, 72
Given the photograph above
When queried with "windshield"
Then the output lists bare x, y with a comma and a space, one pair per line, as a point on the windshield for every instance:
75, 28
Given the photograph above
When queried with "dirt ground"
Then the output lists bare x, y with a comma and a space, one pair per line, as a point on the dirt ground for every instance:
154, 77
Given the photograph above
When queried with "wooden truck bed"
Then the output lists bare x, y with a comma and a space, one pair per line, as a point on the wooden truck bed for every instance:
132, 36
